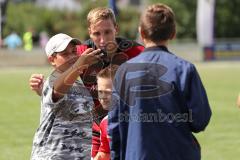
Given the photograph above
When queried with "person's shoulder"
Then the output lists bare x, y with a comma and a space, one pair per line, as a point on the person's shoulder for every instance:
124, 41
105, 119
85, 45
47, 86
182, 64
88, 42
129, 47
104, 122
48, 83
184, 61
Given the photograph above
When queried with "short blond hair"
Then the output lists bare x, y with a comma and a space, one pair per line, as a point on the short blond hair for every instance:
100, 13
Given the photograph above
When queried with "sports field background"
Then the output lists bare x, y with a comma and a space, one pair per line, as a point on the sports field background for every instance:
20, 109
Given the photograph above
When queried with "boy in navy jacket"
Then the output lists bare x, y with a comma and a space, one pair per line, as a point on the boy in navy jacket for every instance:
159, 99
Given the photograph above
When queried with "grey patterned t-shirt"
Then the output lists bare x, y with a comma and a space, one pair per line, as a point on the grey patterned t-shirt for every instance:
65, 127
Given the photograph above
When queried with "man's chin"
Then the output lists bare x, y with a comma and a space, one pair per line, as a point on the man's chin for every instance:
105, 107
102, 47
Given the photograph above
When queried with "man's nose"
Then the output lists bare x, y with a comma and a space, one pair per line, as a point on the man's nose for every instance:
102, 39
103, 95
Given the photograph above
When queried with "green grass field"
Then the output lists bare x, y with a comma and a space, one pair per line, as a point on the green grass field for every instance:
19, 111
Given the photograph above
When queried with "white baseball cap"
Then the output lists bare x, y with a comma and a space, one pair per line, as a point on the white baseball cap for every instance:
59, 43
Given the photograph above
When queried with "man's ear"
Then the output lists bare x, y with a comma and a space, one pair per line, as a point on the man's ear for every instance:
117, 29
89, 31
173, 36
51, 60
141, 33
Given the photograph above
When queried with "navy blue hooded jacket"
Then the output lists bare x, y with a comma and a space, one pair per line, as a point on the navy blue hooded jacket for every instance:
159, 100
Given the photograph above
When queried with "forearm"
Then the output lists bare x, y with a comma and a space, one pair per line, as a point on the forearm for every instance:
67, 78
39, 92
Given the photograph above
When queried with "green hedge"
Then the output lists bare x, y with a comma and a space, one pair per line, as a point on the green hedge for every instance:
24, 16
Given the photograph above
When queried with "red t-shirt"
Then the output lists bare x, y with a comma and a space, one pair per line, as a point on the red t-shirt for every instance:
104, 138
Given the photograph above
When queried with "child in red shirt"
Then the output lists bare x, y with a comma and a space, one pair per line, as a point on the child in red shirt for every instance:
104, 81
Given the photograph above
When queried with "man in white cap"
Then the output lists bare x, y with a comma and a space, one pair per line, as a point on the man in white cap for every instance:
66, 105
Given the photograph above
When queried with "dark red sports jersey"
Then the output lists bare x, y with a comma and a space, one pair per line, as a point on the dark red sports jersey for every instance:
123, 51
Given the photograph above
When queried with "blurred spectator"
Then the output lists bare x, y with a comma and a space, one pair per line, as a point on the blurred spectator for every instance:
12, 41
28, 41
43, 39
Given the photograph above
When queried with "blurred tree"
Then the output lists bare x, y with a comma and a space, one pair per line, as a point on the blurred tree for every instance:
3, 8
21, 16
128, 25
227, 19
86, 7
185, 12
